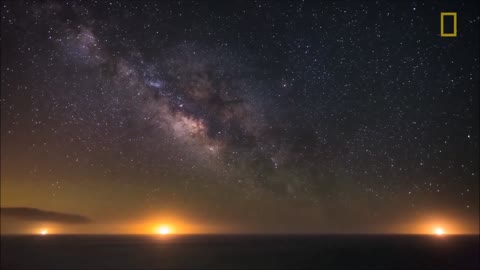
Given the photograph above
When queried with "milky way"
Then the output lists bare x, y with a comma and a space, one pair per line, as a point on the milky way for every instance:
353, 108
202, 101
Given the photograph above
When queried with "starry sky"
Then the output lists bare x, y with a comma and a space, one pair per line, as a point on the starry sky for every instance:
241, 117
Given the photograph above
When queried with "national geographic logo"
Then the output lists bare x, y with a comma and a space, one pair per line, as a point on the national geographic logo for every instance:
448, 24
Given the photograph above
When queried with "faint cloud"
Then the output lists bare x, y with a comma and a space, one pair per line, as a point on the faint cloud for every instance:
34, 214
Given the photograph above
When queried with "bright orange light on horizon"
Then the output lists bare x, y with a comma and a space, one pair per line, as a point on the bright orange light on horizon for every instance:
439, 231
44, 232
436, 224
164, 230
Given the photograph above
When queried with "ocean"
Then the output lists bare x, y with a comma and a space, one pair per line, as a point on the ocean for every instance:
240, 252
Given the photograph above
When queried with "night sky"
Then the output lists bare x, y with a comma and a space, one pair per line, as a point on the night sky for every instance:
239, 116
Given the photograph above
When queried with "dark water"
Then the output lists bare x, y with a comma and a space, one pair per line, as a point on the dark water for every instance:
239, 252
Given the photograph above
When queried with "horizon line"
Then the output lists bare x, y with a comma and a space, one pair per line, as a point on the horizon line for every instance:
242, 234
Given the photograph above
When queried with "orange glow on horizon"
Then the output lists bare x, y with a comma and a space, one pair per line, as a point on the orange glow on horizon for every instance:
164, 230
439, 231
43, 231
436, 224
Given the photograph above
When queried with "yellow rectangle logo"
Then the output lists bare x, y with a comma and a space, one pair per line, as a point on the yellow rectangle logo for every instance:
442, 24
